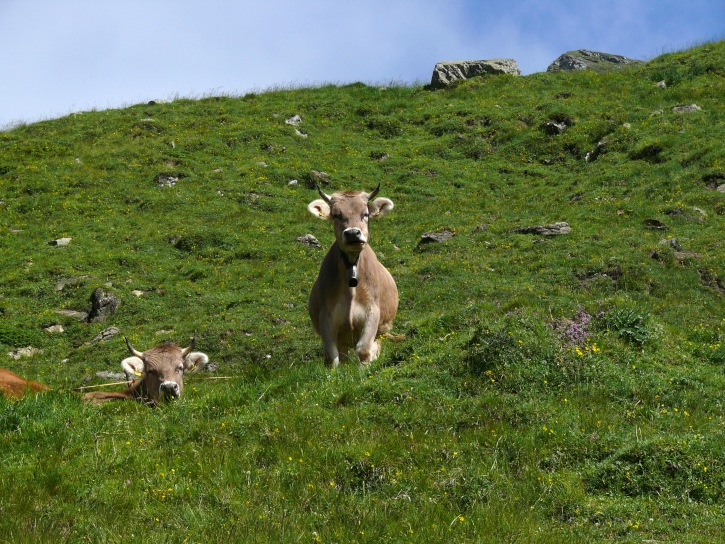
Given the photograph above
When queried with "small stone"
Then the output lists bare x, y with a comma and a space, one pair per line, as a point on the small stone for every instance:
554, 229
686, 109
83, 316
109, 375
166, 180
440, 236
28, 351
294, 120
60, 242
106, 334
654, 224
309, 240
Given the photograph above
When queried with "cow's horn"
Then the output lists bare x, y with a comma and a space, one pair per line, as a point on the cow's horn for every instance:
325, 197
374, 193
188, 350
133, 351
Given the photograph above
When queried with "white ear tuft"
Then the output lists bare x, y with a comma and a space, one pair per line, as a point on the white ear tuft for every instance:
319, 208
380, 206
133, 367
195, 361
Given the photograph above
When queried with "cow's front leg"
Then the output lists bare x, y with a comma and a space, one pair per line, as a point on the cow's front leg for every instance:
328, 333
367, 349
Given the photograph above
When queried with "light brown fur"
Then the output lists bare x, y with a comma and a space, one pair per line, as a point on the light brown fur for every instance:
352, 317
154, 375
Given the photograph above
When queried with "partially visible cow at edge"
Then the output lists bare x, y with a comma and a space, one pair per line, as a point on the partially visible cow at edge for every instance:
154, 375
13, 386
354, 299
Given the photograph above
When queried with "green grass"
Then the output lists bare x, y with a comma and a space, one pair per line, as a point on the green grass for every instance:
548, 390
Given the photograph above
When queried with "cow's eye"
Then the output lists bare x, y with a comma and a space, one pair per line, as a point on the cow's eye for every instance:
366, 216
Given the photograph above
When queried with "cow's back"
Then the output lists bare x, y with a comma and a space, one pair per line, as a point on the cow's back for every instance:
14, 386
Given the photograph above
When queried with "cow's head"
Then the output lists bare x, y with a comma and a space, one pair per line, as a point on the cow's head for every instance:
350, 211
162, 369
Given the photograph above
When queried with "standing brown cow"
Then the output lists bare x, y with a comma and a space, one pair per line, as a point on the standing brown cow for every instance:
355, 299
156, 374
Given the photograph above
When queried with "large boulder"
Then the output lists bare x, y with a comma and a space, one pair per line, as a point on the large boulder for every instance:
446, 73
584, 59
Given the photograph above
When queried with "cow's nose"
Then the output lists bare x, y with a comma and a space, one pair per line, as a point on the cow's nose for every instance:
353, 234
170, 389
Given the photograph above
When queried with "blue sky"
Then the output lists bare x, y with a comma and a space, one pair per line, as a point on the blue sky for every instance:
60, 57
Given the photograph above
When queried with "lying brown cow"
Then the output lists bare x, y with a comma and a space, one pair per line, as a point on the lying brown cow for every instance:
12, 385
156, 374
355, 299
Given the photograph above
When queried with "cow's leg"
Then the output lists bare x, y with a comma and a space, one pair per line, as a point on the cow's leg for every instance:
329, 342
368, 348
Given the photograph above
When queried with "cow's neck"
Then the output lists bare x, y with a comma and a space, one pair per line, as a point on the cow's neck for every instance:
138, 389
351, 266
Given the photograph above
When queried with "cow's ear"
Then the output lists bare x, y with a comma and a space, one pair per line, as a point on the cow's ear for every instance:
133, 367
380, 206
319, 208
195, 361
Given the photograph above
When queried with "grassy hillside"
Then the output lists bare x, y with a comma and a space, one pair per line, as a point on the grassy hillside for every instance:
550, 389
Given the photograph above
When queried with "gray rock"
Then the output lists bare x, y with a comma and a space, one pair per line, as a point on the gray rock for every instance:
309, 240
83, 316
554, 229
686, 109
70, 282
60, 242
294, 120
109, 375
446, 73
685, 255
166, 180
654, 224
103, 305
106, 334
553, 128
442, 235
28, 351
583, 59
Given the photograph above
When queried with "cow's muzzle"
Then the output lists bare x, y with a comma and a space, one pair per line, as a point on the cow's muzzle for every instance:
170, 390
354, 237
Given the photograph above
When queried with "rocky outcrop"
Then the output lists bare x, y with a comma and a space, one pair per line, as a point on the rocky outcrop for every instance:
103, 305
446, 73
584, 59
